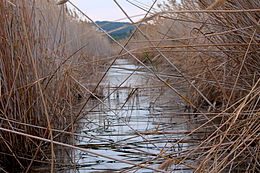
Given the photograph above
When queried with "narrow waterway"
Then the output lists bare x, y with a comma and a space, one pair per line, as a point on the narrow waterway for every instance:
138, 121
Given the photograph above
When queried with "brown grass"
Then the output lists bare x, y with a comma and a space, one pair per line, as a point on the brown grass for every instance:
41, 46
49, 56
218, 52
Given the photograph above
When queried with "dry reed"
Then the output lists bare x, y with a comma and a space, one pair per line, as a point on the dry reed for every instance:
48, 57
40, 44
219, 52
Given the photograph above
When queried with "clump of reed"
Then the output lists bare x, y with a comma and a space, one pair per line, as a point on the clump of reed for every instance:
232, 66
229, 77
218, 55
41, 46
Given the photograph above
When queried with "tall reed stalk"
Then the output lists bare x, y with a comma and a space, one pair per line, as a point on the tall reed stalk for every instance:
216, 45
40, 44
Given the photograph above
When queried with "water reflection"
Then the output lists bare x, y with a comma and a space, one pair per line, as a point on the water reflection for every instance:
134, 105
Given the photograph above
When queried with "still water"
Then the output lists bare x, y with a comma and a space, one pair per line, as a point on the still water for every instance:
137, 121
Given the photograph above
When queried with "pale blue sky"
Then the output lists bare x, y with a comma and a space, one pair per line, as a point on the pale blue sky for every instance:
108, 10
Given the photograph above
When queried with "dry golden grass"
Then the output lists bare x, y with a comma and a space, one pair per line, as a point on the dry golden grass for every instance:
41, 46
217, 53
47, 53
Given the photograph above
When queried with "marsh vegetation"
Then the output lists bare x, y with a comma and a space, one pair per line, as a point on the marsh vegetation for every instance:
180, 94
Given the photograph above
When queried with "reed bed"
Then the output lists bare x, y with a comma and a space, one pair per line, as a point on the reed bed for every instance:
41, 46
215, 47
201, 63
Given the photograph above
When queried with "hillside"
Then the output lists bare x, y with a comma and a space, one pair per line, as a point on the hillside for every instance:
120, 34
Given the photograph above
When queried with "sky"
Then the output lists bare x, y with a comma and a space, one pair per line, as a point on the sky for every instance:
100, 10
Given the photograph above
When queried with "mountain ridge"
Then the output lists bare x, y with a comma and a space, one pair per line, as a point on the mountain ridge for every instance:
119, 34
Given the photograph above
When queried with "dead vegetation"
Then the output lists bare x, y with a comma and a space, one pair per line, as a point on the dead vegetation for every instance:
215, 46
41, 46
49, 56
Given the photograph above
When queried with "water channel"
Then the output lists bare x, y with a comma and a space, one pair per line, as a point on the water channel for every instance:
136, 122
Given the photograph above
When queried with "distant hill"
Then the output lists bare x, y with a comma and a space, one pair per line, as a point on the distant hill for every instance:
120, 34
